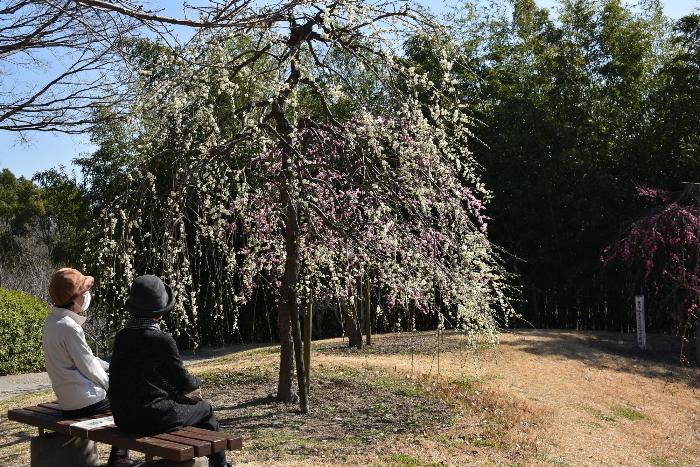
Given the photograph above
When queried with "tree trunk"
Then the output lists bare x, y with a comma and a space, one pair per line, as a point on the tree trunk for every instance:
359, 307
368, 313
288, 295
697, 339
536, 310
289, 309
284, 330
354, 336
288, 300
299, 359
308, 319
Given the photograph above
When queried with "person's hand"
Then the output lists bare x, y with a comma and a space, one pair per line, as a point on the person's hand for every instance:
196, 395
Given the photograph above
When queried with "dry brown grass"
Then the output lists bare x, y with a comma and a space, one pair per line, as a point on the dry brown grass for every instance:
14, 437
539, 398
602, 402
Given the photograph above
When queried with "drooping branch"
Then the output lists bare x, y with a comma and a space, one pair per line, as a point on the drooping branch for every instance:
229, 14
81, 40
75, 47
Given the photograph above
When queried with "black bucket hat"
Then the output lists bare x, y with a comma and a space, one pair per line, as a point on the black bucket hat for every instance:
150, 297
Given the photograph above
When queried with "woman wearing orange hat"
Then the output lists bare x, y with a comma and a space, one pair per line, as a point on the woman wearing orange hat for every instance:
79, 379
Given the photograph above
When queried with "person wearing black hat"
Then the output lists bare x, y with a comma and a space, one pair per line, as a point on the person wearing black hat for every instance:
148, 382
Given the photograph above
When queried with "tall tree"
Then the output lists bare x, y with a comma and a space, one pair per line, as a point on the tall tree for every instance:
20, 208
67, 217
671, 140
40, 225
272, 157
564, 102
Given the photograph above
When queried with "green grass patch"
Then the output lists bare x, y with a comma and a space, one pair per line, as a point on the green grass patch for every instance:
399, 386
606, 418
484, 443
616, 413
445, 440
406, 460
628, 413
661, 462
559, 461
599, 414
467, 383
229, 378
274, 440
266, 350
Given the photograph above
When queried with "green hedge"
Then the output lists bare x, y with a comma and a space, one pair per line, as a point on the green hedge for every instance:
21, 320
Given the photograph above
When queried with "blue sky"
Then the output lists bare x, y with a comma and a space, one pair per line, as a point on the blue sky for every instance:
41, 151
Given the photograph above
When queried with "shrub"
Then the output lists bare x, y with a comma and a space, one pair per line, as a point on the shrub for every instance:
21, 320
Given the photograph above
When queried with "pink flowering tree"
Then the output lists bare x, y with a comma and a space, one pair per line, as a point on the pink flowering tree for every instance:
305, 156
661, 252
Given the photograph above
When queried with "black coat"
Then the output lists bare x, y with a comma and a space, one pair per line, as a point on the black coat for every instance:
147, 381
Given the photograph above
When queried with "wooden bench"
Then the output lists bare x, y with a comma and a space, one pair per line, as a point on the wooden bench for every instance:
177, 446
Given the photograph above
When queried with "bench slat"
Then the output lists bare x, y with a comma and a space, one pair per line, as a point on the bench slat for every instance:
59, 414
146, 444
50, 405
109, 435
38, 420
218, 442
180, 445
201, 448
45, 411
55, 407
232, 442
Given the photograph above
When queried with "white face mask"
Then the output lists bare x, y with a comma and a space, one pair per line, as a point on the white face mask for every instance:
87, 296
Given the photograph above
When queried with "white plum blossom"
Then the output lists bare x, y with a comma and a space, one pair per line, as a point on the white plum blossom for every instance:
376, 165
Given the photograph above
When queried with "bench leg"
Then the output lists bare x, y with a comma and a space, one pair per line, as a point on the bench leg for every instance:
55, 449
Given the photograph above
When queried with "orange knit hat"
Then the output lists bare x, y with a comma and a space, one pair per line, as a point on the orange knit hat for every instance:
67, 284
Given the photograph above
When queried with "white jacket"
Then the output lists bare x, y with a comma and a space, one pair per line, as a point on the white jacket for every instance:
79, 379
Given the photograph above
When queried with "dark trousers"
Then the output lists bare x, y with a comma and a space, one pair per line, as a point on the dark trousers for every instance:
201, 415
94, 409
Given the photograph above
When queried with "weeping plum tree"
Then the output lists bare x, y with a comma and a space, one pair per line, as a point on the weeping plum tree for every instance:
301, 156
661, 252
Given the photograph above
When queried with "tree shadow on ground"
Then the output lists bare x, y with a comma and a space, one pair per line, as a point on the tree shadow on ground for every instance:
405, 343
346, 413
607, 350
255, 402
14, 444
20, 437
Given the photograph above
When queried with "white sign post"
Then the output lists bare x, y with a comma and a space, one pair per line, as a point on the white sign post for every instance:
641, 322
